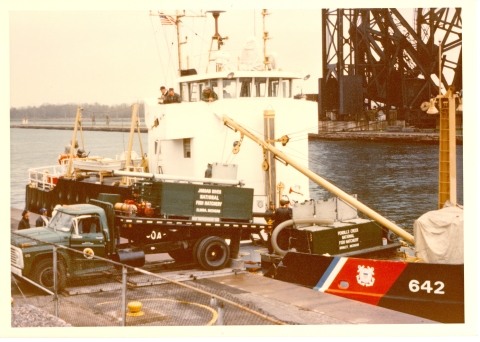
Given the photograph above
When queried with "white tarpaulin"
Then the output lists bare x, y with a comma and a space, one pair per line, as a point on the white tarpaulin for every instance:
251, 58
439, 236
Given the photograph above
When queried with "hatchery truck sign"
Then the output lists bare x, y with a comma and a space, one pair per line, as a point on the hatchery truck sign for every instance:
208, 201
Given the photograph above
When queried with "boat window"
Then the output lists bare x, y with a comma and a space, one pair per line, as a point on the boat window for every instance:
229, 88
195, 89
186, 148
287, 88
193, 92
260, 85
184, 92
202, 86
214, 86
273, 87
245, 87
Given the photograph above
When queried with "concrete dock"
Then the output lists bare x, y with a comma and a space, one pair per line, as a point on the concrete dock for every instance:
100, 128
383, 136
285, 302
377, 136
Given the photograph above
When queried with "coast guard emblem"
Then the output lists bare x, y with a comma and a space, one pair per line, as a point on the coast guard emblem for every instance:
365, 276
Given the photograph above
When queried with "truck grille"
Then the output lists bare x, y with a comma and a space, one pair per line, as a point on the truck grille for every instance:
16, 257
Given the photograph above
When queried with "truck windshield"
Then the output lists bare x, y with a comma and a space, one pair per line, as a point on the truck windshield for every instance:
62, 222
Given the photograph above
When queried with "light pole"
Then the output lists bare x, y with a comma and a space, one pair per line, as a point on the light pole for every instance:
447, 166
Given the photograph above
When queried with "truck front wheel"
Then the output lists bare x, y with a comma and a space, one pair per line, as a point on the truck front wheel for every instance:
43, 274
212, 253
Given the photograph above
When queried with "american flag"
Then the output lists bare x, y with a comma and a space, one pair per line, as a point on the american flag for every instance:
166, 19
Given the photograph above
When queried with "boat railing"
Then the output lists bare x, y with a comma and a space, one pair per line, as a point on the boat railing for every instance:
47, 176
130, 179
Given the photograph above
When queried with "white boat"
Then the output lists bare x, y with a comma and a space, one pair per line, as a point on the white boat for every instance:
135, 159
97, 164
185, 137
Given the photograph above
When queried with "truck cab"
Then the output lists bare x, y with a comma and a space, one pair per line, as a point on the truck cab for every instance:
82, 227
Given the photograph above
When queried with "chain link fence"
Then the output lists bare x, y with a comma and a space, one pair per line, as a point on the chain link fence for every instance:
102, 292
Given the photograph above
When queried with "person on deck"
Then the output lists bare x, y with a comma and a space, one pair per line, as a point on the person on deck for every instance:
172, 97
271, 212
24, 222
68, 148
208, 171
209, 95
42, 220
282, 214
163, 94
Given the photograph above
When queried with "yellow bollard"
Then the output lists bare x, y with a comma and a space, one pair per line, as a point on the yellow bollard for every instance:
134, 309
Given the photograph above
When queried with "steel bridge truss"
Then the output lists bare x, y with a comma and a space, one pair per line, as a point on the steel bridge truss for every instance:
374, 57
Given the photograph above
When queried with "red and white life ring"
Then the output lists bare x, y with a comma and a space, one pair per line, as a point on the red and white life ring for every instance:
62, 157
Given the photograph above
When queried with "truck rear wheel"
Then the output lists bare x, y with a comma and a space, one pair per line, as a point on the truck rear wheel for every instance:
212, 253
43, 274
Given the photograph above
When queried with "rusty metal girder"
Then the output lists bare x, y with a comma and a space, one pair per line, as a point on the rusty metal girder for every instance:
398, 64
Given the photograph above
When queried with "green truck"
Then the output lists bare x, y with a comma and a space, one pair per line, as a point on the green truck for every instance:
190, 222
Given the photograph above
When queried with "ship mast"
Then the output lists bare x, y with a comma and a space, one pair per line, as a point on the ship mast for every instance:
179, 44
266, 60
177, 16
216, 37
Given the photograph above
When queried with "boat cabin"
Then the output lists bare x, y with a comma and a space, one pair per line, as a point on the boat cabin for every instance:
239, 84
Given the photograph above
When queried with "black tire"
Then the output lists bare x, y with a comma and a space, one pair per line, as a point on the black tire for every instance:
43, 274
182, 255
195, 247
212, 253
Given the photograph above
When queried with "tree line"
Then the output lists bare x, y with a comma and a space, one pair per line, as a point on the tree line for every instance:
69, 111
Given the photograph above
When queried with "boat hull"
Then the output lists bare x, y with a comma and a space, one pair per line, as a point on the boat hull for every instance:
432, 291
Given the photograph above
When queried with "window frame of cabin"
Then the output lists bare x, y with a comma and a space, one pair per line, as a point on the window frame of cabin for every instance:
187, 148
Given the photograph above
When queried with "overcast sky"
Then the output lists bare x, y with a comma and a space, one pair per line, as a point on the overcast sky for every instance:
115, 56
118, 53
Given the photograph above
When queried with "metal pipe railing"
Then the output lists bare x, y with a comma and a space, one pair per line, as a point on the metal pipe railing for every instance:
124, 285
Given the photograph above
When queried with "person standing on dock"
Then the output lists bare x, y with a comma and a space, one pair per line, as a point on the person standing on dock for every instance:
24, 222
172, 97
42, 220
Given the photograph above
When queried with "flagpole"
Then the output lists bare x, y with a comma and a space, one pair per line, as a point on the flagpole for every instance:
167, 19
178, 45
